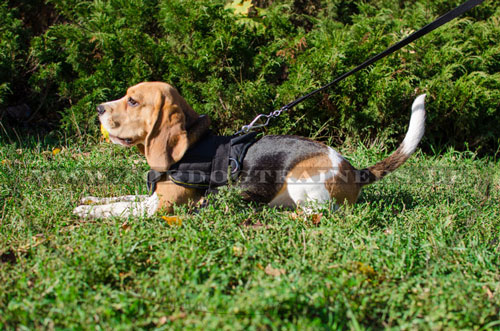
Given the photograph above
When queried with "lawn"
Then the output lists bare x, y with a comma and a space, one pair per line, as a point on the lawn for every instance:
420, 250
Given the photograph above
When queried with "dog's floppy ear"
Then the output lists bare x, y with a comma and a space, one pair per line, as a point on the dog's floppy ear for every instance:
167, 141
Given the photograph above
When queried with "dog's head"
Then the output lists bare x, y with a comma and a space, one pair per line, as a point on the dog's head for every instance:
154, 117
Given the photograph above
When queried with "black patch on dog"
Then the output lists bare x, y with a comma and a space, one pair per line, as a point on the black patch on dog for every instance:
268, 162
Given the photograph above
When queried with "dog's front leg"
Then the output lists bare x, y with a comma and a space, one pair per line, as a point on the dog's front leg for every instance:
124, 207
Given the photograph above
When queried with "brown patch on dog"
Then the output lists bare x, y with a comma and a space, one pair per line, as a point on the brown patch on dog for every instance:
384, 167
167, 141
343, 187
313, 166
194, 132
170, 194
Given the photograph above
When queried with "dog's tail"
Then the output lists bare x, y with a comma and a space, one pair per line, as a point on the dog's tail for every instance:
405, 150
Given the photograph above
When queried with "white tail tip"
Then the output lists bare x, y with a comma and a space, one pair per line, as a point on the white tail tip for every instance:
416, 128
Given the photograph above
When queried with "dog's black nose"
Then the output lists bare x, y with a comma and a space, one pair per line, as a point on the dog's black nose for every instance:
100, 110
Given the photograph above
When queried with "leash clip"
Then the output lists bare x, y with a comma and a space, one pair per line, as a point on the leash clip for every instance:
253, 125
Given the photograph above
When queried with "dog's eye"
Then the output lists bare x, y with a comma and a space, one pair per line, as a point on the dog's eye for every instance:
131, 102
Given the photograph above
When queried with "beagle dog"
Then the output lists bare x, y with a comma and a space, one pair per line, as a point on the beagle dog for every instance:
287, 171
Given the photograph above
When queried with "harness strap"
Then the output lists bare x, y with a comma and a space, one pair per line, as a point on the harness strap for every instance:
220, 163
153, 178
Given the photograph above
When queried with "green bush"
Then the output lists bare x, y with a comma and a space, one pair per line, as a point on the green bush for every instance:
233, 65
11, 51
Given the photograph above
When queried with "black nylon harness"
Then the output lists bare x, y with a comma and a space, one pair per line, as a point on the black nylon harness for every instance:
212, 162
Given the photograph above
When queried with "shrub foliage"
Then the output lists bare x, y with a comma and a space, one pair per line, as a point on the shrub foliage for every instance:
232, 62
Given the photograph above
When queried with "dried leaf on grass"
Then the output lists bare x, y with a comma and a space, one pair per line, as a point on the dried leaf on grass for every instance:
275, 272
76, 156
124, 275
125, 226
296, 215
316, 219
164, 319
365, 269
237, 251
490, 294
172, 220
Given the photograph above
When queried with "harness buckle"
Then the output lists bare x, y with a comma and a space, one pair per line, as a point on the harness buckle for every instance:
237, 165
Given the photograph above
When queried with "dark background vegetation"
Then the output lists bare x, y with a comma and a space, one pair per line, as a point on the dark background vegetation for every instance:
60, 58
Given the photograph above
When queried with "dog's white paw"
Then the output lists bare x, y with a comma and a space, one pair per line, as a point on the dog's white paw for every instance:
84, 211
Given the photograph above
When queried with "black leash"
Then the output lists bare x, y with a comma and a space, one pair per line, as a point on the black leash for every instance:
454, 13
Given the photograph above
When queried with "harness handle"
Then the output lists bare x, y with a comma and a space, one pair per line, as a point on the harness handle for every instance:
452, 14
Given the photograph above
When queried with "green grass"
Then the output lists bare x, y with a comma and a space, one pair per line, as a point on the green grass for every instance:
420, 250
